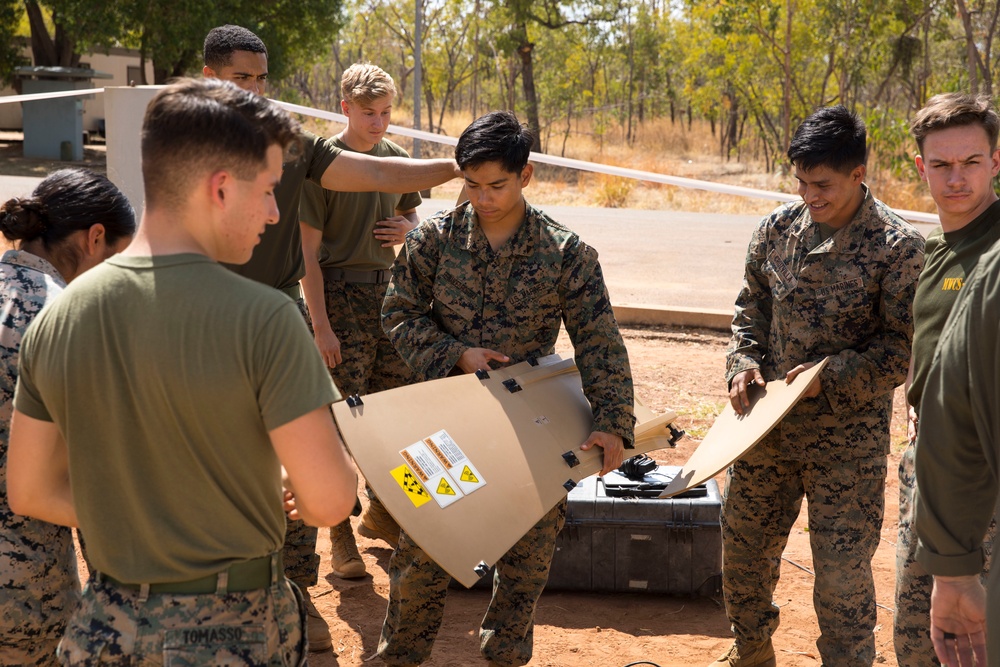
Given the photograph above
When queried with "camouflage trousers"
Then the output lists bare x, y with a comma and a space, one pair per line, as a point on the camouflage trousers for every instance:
299, 551
418, 587
846, 503
41, 588
369, 364
116, 626
369, 361
912, 620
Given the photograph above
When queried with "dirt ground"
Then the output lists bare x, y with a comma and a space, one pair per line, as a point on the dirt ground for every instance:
674, 369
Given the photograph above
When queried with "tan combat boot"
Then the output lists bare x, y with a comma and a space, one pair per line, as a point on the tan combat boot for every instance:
378, 524
347, 563
747, 655
317, 631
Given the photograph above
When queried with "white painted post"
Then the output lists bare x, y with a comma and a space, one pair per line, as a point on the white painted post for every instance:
124, 109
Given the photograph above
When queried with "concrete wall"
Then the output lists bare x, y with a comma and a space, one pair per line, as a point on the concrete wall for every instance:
116, 63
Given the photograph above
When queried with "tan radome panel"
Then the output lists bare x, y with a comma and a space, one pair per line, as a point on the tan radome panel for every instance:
733, 435
467, 466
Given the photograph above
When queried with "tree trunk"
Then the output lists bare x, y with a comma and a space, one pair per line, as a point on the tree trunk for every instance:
786, 111
569, 125
43, 50
972, 53
524, 48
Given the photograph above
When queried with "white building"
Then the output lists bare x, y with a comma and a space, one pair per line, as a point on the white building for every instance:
122, 64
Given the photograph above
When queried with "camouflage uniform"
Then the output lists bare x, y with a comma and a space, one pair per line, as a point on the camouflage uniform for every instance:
38, 573
451, 291
370, 364
804, 298
369, 361
911, 622
299, 551
117, 626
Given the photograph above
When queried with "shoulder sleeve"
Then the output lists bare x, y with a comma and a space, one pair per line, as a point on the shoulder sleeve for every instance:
407, 316
27, 398
752, 315
312, 206
289, 374
409, 201
320, 154
598, 347
906, 260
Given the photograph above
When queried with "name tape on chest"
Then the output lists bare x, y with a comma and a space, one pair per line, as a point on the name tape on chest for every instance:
845, 287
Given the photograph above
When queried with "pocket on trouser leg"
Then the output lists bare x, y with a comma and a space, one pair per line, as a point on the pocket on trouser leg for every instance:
80, 648
302, 651
215, 646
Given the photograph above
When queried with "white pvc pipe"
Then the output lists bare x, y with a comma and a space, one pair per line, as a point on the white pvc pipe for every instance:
128, 170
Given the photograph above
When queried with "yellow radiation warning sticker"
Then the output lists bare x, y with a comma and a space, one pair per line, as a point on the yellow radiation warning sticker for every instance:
453, 459
408, 481
432, 475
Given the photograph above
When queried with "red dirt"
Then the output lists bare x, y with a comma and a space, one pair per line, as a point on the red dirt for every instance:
678, 369
673, 369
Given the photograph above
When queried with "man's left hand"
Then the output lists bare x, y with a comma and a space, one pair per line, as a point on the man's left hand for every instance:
614, 449
814, 388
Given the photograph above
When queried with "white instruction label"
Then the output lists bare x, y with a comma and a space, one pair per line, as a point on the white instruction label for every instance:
432, 474
458, 465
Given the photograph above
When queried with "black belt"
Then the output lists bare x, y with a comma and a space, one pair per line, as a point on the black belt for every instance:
249, 575
379, 277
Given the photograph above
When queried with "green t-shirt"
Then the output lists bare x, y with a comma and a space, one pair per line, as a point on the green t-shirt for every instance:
949, 259
277, 259
348, 218
165, 375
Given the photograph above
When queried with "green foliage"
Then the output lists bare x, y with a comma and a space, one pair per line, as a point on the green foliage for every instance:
753, 68
889, 135
171, 33
11, 13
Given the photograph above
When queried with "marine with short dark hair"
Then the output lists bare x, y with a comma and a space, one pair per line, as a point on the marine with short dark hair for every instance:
482, 286
830, 276
212, 417
235, 54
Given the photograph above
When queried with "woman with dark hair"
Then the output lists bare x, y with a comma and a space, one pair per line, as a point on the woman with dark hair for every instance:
74, 220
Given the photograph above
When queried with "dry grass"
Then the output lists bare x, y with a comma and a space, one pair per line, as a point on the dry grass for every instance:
660, 147
663, 148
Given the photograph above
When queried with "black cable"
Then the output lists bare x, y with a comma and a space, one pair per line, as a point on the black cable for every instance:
642, 662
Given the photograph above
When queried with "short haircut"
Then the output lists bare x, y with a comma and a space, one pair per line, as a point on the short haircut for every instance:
198, 126
222, 41
363, 83
956, 110
66, 202
495, 137
832, 137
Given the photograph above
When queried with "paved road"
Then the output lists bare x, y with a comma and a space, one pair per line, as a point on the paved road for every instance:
660, 258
